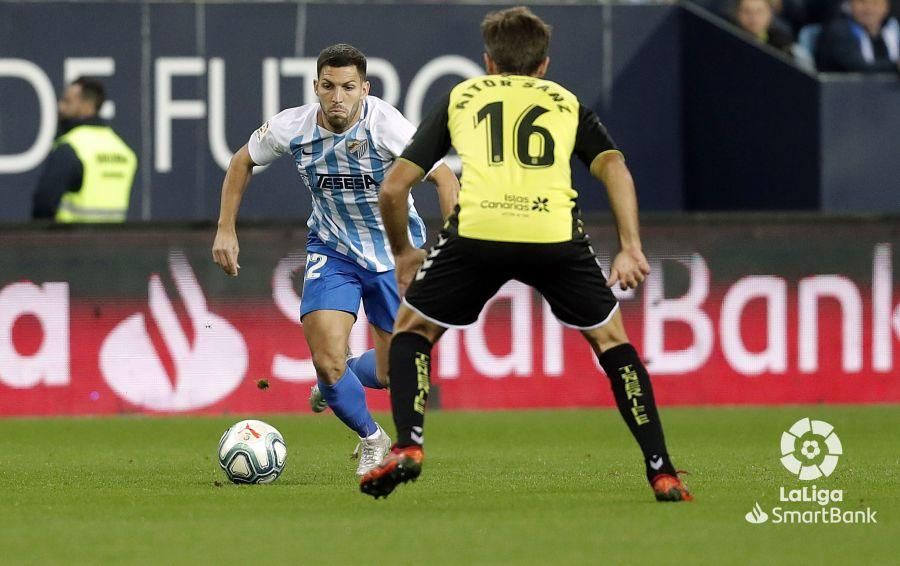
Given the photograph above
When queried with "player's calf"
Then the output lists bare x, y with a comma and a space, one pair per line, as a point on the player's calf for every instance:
410, 363
365, 368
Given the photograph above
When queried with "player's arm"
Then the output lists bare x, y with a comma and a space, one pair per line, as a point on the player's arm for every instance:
447, 186
63, 172
430, 143
395, 215
610, 169
630, 267
264, 147
597, 150
225, 248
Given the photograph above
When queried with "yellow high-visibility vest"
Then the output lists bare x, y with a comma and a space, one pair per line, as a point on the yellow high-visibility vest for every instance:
109, 166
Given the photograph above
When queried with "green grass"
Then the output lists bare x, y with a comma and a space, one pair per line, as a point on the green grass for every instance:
548, 487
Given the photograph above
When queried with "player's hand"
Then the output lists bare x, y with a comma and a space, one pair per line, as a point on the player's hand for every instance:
406, 266
629, 269
225, 251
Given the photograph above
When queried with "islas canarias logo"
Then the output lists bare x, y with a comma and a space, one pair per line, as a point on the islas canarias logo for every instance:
810, 449
208, 366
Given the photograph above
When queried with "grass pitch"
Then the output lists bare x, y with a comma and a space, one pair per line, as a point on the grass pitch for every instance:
536, 487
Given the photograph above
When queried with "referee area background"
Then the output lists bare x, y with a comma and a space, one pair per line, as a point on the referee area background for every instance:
770, 214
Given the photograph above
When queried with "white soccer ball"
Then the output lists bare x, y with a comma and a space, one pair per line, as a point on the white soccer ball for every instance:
252, 452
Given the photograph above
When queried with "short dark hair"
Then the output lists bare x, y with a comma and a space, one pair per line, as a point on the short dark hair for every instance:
342, 55
516, 39
93, 90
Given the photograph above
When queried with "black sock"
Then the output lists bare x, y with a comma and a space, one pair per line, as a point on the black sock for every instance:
410, 380
634, 395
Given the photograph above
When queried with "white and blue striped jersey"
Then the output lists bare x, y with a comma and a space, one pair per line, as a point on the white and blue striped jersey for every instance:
343, 173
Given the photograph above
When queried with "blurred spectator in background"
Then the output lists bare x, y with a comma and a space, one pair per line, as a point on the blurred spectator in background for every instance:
792, 12
865, 39
756, 17
823, 11
787, 15
88, 174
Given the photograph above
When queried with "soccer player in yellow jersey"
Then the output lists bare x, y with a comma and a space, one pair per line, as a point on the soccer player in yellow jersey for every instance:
516, 219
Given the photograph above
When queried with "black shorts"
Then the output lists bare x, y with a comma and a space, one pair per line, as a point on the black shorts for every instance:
461, 274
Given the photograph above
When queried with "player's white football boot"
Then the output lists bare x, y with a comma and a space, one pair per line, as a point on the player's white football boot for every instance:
316, 402
371, 451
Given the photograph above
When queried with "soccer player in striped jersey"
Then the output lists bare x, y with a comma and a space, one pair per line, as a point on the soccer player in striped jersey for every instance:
342, 147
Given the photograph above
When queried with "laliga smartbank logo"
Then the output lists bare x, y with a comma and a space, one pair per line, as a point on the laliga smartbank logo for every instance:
810, 450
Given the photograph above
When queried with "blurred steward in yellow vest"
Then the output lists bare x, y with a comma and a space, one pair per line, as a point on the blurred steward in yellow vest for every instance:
89, 173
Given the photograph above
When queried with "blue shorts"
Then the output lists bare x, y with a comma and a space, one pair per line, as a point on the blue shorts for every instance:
335, 282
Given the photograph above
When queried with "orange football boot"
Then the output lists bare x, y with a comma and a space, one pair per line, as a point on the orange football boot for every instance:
667, 487
399, 466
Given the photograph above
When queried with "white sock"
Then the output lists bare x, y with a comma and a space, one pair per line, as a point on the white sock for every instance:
374, 435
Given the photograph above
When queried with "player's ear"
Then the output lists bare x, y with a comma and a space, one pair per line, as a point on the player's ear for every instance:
365, 88
489, 65
316, 85
542, 68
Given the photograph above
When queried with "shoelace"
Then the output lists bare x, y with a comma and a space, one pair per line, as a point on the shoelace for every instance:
367, 452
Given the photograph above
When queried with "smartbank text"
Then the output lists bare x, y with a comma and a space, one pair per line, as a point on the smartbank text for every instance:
823, 515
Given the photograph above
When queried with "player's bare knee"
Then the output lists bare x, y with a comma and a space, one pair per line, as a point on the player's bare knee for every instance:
430, 331
410, 321
606, 337
329, 366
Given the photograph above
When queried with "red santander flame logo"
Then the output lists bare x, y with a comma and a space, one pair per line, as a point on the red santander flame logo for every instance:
207, 368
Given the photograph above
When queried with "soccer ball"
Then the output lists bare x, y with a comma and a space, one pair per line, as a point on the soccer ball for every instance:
252, 452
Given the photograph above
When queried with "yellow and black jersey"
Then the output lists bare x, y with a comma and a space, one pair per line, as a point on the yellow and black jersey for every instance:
516, 136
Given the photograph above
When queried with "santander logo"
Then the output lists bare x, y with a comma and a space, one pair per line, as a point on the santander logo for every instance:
207, 369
